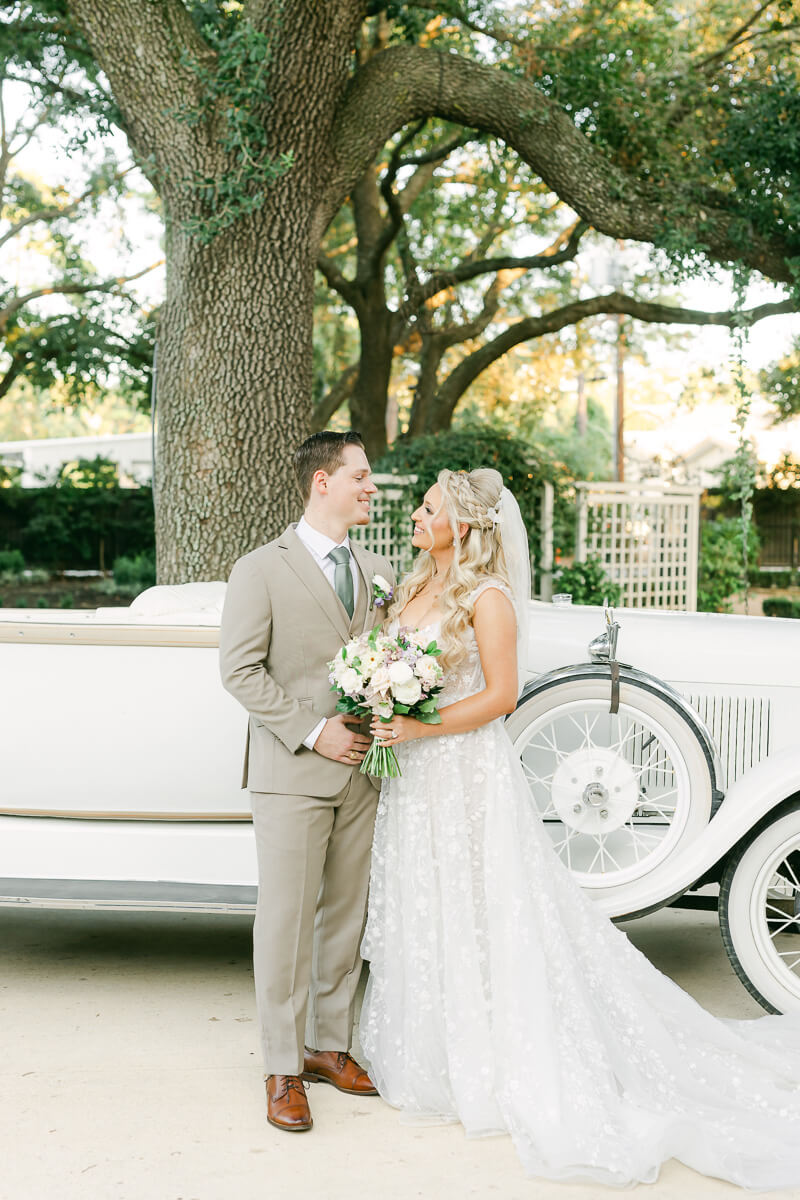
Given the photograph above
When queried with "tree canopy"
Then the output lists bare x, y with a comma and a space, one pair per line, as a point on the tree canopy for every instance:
60, 319
256, 120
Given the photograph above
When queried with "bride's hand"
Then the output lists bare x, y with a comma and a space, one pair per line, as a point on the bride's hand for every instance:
399, 729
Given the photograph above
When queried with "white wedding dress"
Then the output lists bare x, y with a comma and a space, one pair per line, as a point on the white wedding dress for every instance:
499, 997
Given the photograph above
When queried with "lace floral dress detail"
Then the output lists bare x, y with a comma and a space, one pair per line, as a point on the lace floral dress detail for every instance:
499, 997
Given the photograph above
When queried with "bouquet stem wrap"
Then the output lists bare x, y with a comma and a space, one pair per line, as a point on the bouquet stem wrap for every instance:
380, 761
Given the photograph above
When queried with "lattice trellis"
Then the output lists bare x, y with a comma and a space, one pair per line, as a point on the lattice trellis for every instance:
645, 535
389, 529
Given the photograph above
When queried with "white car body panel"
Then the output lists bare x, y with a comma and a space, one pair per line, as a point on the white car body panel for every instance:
120, 752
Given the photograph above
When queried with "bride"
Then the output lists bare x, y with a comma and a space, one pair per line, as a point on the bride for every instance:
498, 996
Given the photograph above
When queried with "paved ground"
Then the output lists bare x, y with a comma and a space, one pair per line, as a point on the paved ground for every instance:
130, 1072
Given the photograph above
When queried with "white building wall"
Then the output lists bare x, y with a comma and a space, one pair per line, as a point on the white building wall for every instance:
42, 458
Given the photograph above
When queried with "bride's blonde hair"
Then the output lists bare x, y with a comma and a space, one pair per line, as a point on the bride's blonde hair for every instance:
467, 498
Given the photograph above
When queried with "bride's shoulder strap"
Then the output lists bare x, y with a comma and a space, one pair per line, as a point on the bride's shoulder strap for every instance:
488, 583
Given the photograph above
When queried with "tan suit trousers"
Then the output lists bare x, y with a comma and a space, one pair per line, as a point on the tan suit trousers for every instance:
313, 867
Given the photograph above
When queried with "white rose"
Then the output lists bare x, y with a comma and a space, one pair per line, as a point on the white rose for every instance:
427, 669
350, 681
409, 692
384, 709
379, 582
400, 672
380, 681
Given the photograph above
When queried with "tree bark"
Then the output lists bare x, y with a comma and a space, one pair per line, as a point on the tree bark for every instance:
234, 383
235, 344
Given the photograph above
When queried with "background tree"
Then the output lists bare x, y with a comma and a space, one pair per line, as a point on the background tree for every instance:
60, 320
780, 383
256, 120
439, 196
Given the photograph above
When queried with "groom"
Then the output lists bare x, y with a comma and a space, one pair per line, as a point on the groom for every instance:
289, 607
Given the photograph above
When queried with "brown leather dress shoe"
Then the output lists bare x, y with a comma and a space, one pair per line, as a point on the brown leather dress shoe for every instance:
287, 1106
338, 1068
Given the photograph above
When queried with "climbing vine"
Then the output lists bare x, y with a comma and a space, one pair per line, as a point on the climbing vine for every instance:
742, 473
234, 90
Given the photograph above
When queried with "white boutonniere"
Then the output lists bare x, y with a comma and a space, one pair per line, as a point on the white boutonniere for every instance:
382, 591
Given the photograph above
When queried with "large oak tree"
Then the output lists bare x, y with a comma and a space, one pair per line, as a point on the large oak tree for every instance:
255, 121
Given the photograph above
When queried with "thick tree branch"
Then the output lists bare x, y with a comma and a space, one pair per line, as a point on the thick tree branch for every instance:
453, 388
436, 154
455, 334
407, 83
469, 269
334, 398
143, 49
17, 363
334, 278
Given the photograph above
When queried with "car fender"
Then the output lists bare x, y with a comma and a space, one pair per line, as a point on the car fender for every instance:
756, 793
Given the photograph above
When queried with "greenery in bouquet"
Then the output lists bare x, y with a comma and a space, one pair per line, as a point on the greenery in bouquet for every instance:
385, 674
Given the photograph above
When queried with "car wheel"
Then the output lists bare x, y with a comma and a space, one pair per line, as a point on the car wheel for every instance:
759, 911
619, 792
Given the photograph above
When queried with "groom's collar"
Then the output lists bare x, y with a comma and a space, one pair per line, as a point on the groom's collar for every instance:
319, 542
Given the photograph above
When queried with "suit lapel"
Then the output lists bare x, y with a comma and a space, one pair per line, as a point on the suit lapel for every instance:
363, 609
307, 571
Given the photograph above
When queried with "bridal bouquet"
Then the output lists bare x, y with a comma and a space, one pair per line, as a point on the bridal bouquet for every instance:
386, 674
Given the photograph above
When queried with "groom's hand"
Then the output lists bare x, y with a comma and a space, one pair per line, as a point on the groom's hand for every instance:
339, 742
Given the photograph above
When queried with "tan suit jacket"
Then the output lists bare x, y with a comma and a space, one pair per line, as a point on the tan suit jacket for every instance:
281, 625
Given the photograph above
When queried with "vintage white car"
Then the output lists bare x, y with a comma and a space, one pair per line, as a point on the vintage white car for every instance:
673, 779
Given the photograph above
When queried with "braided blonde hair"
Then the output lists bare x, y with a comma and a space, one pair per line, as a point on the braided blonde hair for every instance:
467, 497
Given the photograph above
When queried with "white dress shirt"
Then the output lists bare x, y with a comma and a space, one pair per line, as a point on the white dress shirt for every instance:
319, 546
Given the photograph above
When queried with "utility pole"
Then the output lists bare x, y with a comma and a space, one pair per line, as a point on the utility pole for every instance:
619, 453
581, 414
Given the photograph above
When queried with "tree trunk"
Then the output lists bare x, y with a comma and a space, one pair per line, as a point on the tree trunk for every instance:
234, 387
421, 419
235, 347
369, 400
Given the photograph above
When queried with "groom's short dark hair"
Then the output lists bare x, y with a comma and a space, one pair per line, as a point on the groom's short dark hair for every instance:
321, 452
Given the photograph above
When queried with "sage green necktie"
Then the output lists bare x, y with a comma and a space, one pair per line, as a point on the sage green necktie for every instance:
342, 577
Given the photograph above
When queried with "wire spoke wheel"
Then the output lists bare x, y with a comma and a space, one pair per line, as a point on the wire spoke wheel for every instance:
617, 792
760, 911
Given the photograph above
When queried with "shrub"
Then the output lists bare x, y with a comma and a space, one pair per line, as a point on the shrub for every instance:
720, 568
133, 575
781, 606
12, 564
782, 577
586, 582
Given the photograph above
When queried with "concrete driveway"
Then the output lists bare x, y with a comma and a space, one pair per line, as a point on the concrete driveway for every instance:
130, 1071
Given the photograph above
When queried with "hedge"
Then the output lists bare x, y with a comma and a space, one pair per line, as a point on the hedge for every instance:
67, 527
781, 606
